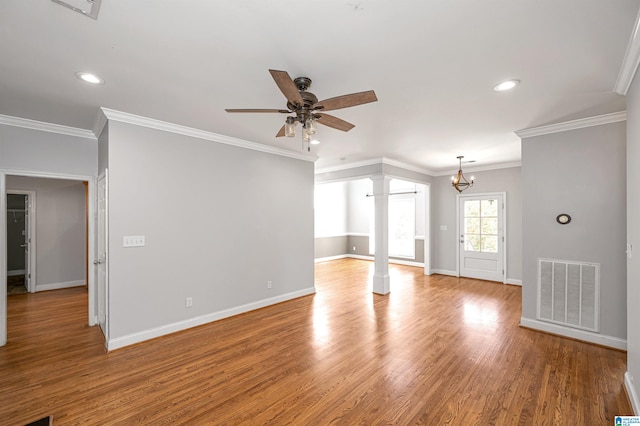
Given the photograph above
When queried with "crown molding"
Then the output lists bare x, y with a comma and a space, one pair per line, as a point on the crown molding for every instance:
572, 125
374, 161
486, 168
630, 62
46, 127
151, 123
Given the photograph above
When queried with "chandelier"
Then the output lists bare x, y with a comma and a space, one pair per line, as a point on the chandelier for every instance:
459, 182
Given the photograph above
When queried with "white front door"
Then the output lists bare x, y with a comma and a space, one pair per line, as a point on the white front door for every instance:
481, 236
101, 259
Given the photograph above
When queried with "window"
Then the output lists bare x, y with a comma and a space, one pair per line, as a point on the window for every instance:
402, 220
481, 225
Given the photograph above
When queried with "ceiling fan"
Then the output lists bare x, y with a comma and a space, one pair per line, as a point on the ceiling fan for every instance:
306, 108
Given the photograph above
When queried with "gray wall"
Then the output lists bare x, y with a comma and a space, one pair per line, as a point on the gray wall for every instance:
583, 173
633, 234
200, 249
443, 209
347, 205
331, 246
60, 229
46, 152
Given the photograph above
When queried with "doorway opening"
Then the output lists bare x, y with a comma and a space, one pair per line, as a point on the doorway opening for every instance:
481, 232
20, 242
65, 227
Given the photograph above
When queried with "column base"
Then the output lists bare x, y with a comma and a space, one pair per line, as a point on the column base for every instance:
381, 284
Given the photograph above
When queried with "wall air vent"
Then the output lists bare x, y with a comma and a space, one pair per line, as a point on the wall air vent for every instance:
568, 293
88, 8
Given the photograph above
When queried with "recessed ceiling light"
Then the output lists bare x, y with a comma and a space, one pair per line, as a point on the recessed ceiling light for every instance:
89, 78
315, 141
506, 85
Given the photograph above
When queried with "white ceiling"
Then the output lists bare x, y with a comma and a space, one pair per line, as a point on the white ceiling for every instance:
432, 64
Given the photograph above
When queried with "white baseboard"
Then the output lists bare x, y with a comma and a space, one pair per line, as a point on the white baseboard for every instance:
326, 259
513, 282
632, 393
141, 336
574, 333
56, 286
16, 272
444, 272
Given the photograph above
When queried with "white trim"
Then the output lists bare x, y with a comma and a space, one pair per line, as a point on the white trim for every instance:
580, 123
374, 161
100, 123
488, 167
151, 123
574, 333
406, 262
56, 286
328, 258
46, 127
513, 282
632, 393
370, 258
358, 234
16, 272
33, 243
152, 333
444, 272
348, 234
629, 63
331, 235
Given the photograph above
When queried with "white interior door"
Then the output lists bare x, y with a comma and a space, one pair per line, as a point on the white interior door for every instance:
28, 283
481, 236
101, 259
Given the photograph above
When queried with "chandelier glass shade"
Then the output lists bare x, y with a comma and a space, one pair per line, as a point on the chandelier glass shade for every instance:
459, 182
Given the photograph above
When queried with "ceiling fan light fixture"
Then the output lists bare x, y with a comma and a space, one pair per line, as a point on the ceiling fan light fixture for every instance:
290, 127
310, 126
306, 137
506, 85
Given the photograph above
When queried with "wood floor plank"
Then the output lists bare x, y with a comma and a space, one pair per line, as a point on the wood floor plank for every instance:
437, 350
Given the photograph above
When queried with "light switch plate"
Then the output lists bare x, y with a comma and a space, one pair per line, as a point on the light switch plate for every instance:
133, 241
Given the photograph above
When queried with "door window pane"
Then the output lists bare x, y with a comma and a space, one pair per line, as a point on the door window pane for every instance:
489, 244
481, 225
471, 225
489, 225
472, 243
472, 208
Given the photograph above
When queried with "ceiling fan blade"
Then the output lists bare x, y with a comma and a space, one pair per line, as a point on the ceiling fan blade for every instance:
335, 122
283, 111
280, 132
287, 87
346, 101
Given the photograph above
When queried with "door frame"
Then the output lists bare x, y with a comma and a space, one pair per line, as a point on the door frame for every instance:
31, 267
102, 295
503, 216
91, 218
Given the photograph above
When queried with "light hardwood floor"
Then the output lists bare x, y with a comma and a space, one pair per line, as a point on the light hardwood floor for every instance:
437, 350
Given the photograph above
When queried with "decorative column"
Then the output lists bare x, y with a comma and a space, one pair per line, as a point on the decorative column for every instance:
381, 282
